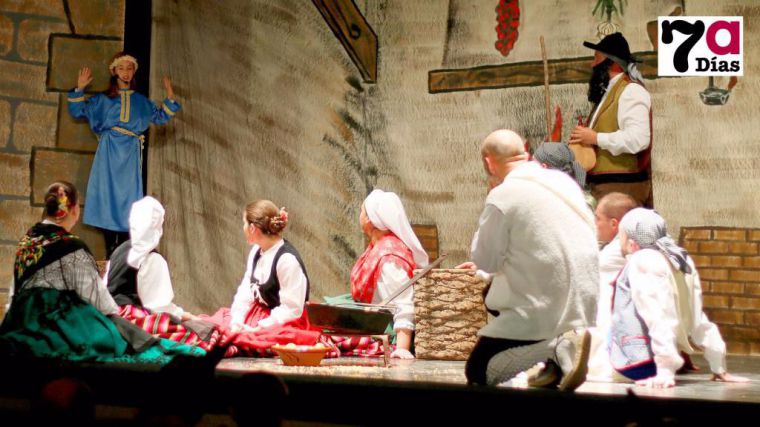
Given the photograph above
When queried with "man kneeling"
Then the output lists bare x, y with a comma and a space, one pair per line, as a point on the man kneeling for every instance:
537, 239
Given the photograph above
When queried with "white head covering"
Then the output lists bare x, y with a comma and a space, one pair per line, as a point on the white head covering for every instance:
385, 211
127, 58
648, 229
146, 220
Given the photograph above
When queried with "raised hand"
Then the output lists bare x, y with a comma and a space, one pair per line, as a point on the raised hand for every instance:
84, 78
168, 87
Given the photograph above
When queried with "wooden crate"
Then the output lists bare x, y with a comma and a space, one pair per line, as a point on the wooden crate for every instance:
449, 311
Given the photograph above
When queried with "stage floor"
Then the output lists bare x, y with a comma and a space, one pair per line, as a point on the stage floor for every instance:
340, 391
690, 386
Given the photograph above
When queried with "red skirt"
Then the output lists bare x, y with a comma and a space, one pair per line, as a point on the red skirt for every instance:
259, 343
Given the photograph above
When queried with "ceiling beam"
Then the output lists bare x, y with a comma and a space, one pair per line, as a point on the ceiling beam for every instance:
355, 34
521, 74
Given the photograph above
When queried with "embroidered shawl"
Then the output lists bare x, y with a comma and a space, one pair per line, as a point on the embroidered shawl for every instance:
366, 272
42, 245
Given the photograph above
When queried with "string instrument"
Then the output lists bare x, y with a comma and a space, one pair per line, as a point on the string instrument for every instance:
584, 154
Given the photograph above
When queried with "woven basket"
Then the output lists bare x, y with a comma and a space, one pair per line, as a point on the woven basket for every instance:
449, 311
301, 355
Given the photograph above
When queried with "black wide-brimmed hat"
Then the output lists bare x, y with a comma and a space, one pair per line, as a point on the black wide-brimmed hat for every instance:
615, 47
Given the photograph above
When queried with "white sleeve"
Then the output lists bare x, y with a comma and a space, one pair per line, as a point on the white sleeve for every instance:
490, 242
633, 123
154, 286
653, 298
706, 333
244, 297
391, 278
79, 269
293, 285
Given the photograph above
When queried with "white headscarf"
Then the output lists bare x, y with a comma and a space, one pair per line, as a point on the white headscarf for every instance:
146, 220
385, 211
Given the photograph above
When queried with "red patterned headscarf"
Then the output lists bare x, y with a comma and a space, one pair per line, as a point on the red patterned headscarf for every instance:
366, 271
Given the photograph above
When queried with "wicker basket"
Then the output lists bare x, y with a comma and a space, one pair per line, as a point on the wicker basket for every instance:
449, 311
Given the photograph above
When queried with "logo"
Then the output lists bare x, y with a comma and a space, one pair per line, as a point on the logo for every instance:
701, 46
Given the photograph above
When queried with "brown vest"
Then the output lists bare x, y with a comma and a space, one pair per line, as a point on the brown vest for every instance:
606, 122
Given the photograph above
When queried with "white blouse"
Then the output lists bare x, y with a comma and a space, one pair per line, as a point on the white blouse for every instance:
391, 279
649, 276
154, 286
293, 284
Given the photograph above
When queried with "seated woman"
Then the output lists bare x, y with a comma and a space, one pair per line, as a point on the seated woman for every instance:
139, 281
389, 260
268, 307
60, 307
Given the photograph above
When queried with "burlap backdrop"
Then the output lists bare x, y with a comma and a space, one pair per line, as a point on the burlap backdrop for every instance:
273, 108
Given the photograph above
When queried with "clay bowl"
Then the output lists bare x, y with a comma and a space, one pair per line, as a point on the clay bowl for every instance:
300, 355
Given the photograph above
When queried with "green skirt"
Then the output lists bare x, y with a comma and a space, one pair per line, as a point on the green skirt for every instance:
57, 324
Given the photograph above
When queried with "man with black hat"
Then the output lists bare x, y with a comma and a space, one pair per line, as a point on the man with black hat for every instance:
620, 126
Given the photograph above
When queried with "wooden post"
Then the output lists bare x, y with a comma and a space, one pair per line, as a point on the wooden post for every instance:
547, 102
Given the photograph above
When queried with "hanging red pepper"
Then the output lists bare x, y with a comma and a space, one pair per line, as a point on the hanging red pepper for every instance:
508, 21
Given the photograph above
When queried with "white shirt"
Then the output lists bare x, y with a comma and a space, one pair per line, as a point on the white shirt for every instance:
391, 279
634, 131
293, 284
705, 334
542, 254
154, 286
651, 290
611, 261
649, 275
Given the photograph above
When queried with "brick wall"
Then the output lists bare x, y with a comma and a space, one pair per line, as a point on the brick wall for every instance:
42, 45
728, 260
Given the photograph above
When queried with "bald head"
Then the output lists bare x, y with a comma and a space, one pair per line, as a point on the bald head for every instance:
502, 144
502, 151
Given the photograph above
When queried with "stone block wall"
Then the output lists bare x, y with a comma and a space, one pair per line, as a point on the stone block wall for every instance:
728, 260
43, 43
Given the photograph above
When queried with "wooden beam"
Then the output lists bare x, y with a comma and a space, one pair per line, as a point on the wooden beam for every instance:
520, 74
357, 37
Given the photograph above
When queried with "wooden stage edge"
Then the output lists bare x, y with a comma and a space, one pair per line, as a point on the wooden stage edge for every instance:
432, 392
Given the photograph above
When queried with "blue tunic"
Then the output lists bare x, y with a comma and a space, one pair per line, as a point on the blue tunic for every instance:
116, 176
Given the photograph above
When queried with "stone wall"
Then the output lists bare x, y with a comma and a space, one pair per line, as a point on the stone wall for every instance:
728, 260
43, 43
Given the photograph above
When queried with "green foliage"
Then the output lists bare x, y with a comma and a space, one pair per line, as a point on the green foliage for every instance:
605, 8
